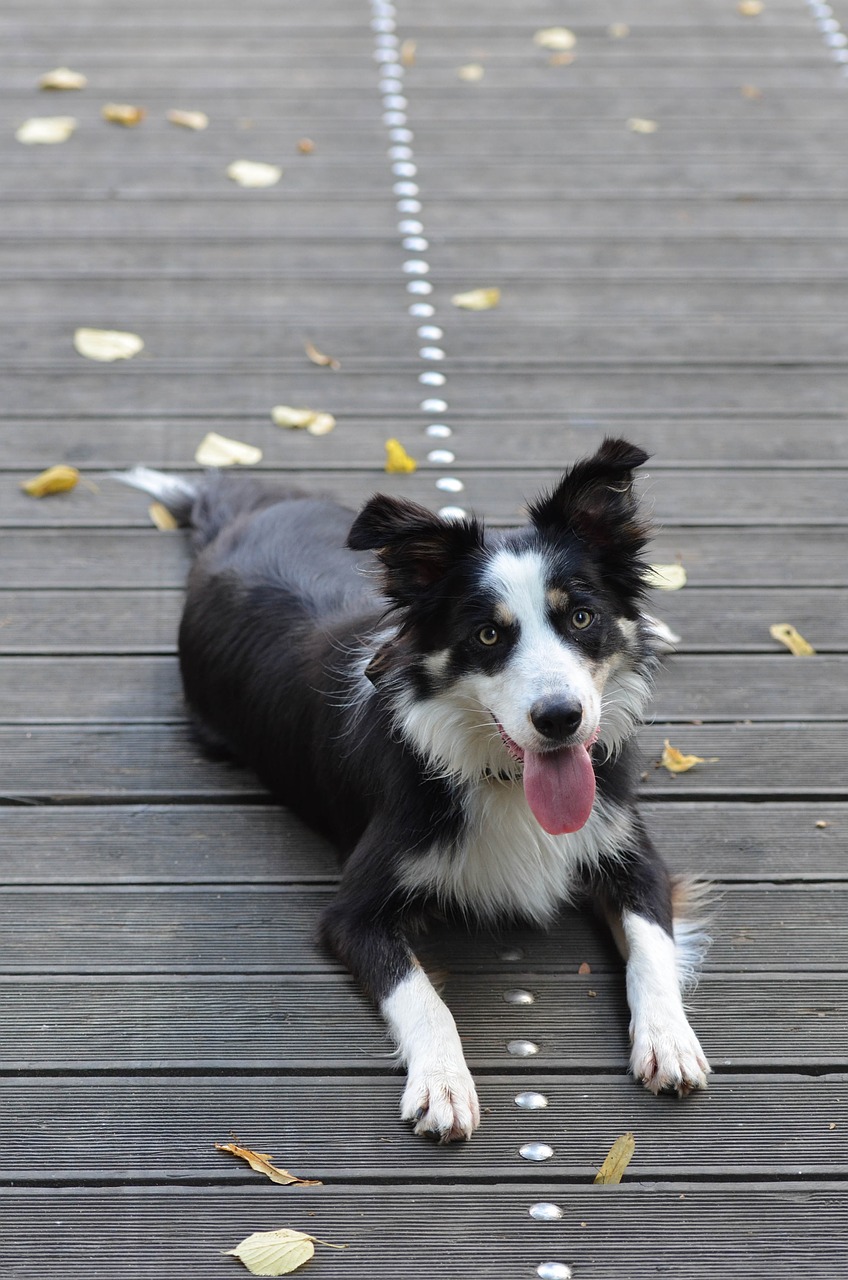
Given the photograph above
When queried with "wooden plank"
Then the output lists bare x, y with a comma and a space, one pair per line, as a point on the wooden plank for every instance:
237, 844
774, 1126
709, 689
318, 1022
259, 929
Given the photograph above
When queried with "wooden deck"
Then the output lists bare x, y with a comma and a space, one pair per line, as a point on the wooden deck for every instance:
686, 287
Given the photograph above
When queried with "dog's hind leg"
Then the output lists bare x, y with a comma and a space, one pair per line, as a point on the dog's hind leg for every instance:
440, 1097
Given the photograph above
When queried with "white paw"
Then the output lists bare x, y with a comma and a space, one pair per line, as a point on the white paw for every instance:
440, 1099
668, 1058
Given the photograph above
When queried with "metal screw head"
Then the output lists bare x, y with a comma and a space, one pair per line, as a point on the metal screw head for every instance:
544, 1211
535, 1151
519, 996
522, 1048
531, 1101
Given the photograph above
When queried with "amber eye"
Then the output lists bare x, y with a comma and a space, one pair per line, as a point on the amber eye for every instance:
582, 618
488, 635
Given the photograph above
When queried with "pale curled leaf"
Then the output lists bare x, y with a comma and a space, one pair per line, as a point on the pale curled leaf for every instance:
107, 344
786, 634
618, 1158
560, 39
666, 577
317, 424
638, 124
124, 113
471, 72
56, 479
618, 30
398, 461
277, 1253
260, 1162
44, 130
161, 517
319, 358
188, 119
407, 52
220, 451
62, 78
676, 762
477, 299
750, 8
305, 146
254, 173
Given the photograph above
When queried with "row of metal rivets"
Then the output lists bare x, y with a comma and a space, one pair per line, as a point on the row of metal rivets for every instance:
413, 240
832, 33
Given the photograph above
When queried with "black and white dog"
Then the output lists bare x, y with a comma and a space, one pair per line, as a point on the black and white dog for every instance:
455, 712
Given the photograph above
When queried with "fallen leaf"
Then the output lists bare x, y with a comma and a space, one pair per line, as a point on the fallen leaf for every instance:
618, 30
832, 1125
43, 130
107, 344
161, 517
477, 299
751, 91
750, 8
189, 119
637, 124
123, 113
318, 357
557, 38
676, 762
398, 461
56, 479
261, 1163
62, 78
254, 173
471, 72
406, 56
591, 994
821, 824
619, 1157
219, 451
665, 577
306, 146
317, 424
277, 1253
794, 641
584, 968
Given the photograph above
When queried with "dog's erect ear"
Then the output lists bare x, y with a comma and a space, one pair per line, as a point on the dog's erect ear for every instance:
416, 547
595, 498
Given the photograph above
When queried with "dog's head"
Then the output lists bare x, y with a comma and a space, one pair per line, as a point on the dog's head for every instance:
528, 648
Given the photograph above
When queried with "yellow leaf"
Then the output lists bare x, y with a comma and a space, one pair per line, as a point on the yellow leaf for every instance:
317, 424
123, 113
471, 72
398, 460
666, 577
161, 517
637, 124
477, 299
54, 480
277, 1253
261, 1163
254, 173
189, 119
558, 38
219, 451
619, 1157
62, 78
318, 357
107, 344
42, 130
750, 8
676, 762
794, 641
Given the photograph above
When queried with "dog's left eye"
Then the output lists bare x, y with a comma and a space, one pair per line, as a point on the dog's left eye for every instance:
488, 635
582, 618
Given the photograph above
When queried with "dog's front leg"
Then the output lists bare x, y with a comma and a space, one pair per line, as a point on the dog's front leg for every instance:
440, 1097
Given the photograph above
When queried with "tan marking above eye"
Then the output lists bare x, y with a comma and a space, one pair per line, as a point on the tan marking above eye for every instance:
557, 598
503, 616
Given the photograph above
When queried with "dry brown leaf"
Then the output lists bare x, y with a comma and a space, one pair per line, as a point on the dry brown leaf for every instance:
398, 461
477, 299
261, 1163
618, 1158
584, 969
637, 124
560, 39
306, 146
44, 130
56, 479
750, 8
786, 634
123, 113
666, 577
189, 119
471, 72
318, 357
161, 517
254, 173
277, 1253
406, 55
220, 451
676, 762
62, 78
107, 344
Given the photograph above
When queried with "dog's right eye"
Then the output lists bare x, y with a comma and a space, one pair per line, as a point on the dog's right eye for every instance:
488, 635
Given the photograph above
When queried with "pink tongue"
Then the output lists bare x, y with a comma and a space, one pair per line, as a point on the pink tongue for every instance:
560, 788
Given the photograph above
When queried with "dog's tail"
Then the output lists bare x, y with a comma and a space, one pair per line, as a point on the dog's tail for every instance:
691, 902
208, 502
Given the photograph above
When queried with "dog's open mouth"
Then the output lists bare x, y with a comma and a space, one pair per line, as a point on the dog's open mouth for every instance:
559, 784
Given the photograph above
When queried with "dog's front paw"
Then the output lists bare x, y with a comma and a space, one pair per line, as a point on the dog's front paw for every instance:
668, 1058
441, 1100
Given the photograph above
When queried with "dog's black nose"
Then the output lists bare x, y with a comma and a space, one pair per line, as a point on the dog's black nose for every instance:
556, 720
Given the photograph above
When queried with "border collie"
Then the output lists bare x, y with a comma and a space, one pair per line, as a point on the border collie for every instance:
455, 710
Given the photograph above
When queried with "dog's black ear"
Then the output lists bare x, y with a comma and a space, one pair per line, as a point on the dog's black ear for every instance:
417, 547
